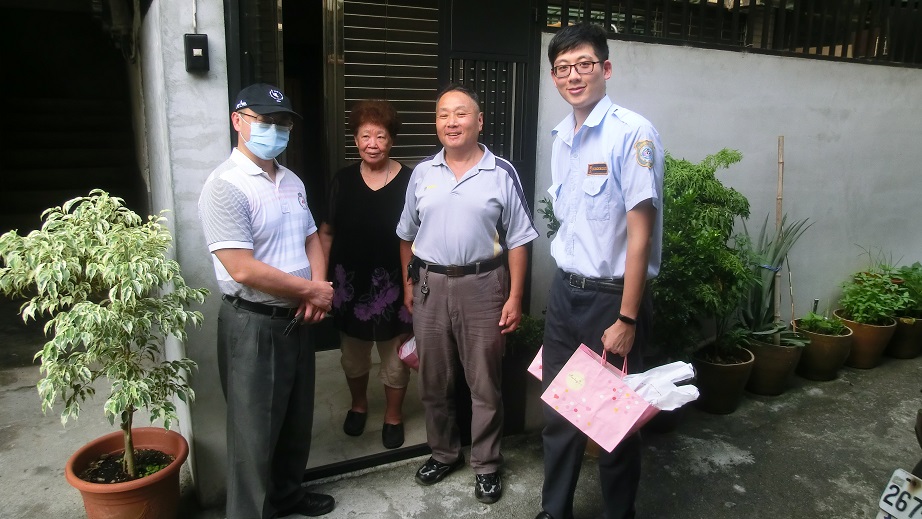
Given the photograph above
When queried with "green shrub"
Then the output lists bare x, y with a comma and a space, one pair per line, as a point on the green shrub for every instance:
872, 297
705, 270
911, 277
816, 323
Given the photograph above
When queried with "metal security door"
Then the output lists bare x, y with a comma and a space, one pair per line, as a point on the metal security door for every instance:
492, 47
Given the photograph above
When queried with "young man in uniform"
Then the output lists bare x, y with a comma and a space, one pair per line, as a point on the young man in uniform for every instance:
607, 177
271, 272
465, 209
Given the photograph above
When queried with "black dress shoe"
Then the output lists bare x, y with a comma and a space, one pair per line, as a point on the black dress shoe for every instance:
355, 423
392, 435
488, 488
544, 515
434, 471
312, 505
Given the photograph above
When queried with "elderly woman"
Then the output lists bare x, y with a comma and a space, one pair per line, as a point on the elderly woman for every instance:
362, 250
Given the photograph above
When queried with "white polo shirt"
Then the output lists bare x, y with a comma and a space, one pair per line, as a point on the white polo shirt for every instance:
241, 208
614, 162
452, 222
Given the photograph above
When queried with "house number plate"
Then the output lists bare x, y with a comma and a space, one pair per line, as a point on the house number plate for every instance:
902, 499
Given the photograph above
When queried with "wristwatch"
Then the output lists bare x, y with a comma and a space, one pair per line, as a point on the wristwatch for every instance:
627, 320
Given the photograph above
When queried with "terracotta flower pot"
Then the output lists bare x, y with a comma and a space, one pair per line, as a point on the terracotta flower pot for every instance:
721, 385
907, 339
868, 342
825, 355
773, 367
152, 497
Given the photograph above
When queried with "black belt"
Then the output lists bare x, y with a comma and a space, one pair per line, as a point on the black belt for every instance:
261, 308
611, 286
455, 271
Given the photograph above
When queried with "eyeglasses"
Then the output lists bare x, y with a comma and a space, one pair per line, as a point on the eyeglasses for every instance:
583, 67
286, 123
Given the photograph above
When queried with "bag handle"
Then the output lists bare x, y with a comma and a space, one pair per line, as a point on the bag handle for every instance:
623, 368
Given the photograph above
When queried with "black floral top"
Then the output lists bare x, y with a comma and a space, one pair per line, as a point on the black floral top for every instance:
365, 256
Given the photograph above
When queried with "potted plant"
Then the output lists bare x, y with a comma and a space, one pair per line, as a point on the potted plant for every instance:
829, 346
703, 276
907, 338
777, 348
869, 301
101, 275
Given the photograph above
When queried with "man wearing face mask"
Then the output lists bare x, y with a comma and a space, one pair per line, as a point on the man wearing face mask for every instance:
272, 274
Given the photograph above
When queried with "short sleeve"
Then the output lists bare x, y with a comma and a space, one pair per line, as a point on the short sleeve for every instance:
224, 211
643, 164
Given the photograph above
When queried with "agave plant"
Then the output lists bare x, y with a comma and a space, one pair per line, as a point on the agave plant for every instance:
758, 312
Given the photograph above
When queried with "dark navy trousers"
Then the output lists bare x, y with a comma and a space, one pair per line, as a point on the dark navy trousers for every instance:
575, 316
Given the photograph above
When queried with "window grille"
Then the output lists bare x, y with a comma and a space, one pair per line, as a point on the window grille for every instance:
877, 31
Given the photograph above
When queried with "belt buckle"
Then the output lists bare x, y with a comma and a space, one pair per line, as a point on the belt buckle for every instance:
454, 271
576, 281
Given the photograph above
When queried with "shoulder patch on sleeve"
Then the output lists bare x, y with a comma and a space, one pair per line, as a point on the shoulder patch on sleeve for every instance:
644, 150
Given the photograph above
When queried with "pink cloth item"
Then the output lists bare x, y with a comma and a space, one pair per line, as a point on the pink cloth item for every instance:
591, 394
407, 353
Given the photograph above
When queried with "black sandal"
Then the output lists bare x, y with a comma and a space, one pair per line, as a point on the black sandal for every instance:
392, 435
355, 423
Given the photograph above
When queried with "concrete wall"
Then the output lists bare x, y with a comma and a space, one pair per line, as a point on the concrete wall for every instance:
852, 138
185, 117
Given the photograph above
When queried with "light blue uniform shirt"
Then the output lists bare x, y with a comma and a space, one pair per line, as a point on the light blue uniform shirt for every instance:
453, 222
614, 162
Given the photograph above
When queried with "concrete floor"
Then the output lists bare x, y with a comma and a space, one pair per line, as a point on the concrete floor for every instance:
822, 449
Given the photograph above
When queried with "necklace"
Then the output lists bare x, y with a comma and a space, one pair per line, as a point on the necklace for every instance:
387, 174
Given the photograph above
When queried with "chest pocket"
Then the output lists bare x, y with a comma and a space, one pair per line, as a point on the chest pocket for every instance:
597, 198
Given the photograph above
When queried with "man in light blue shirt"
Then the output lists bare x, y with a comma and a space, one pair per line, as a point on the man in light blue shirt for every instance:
607, 177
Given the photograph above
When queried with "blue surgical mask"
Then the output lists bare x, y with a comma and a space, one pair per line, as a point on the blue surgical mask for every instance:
267, 141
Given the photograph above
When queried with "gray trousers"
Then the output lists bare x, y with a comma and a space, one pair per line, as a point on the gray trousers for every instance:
575, 316
459, 321
268, 382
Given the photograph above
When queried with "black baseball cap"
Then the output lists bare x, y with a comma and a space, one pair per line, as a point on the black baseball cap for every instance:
263, 98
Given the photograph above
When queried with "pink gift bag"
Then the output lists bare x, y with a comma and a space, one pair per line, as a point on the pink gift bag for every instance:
535, 367
590, 394
407, 353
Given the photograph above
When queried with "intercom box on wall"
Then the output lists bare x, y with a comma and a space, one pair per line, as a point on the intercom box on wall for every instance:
196, 52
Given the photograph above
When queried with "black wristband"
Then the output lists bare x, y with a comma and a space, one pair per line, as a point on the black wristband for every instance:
627, 320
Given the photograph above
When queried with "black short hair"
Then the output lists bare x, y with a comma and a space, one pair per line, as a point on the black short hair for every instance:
455, 87
578, 35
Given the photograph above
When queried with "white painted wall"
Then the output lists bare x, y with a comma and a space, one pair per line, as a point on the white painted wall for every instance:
185, 117
853, 148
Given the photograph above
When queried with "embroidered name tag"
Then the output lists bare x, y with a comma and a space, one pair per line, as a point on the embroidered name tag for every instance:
600, 168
